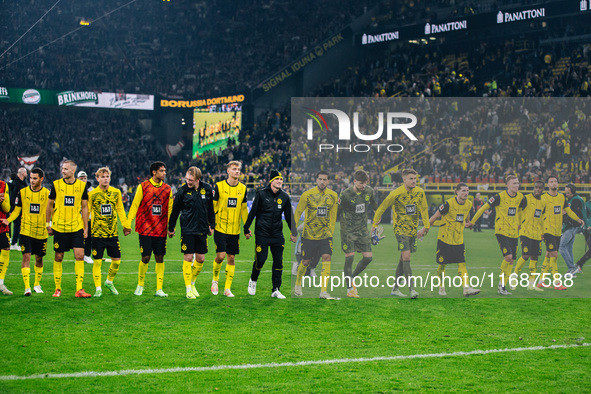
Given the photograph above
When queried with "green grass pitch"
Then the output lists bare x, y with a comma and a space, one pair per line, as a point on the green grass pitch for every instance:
44, 335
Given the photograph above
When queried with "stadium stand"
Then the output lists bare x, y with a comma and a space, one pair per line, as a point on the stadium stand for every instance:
208, 49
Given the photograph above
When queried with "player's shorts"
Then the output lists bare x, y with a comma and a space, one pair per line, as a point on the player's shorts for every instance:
194, 243
226, 243
111, 244
508, 245
5, 241
62, 242
552, 242
351, 243
35, 246
406, 243
312, 248
450, 254
149, 245
530, 247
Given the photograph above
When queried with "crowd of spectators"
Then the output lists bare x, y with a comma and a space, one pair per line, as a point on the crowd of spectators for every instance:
181, 47
485, 144
92, 138
464, 139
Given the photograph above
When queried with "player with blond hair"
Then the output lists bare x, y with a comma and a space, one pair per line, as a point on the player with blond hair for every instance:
106, 205
506, 205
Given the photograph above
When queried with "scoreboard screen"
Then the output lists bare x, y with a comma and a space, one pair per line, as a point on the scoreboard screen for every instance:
214, 126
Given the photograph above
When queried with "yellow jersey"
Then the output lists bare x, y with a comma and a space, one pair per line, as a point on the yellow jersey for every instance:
67, 197
406, 206
506, 209
104, 207
320, 210
32, 205
229, 205
532, 223
554, 208
453, 220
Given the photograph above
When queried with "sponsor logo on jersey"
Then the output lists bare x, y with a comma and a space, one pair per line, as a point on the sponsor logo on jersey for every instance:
106, 210
69, 201
322, 212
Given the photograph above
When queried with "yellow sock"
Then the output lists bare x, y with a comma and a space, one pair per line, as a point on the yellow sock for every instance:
187, 272
195, 271
519, 265
554, 267
440, 272
533, 267
57, 274
546, 265
217, 267
229, 275
463, 272
504, 281
38, 274
301, 272
141, 273
96, 272
159, 275
325, 274
4, 260
79, 270
113, 269
508, 272
26, 276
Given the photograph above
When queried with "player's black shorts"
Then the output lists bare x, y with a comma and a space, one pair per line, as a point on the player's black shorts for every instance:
62, 242
194, 243
530, 247
5, 241
149, 244
552, 242
312, 248
111, 244
35, 246
508, 245
226, 243
450, 254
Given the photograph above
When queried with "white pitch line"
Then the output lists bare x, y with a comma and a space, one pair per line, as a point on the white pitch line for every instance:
91, 374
